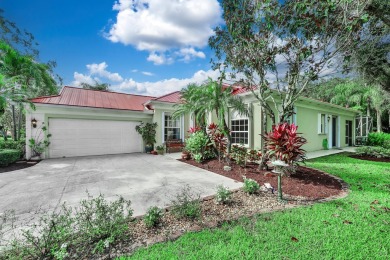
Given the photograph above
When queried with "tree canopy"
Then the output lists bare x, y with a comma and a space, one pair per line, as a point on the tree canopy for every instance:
280, 47
209, 97
371, 57
21, 78
96, 86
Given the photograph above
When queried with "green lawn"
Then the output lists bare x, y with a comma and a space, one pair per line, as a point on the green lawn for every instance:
356, 227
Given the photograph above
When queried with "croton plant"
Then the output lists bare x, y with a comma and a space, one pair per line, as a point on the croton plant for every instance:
218, 139
285, 144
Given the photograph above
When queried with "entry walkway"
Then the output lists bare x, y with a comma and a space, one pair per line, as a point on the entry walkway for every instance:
309, 155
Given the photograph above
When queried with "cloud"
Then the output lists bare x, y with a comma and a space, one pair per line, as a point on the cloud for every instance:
81, 78
147, 73
100, 70
165, 86
159, 59
163, 27
95, 73
188, 54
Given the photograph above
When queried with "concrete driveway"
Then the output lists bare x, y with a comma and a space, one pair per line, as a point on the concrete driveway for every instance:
146, 180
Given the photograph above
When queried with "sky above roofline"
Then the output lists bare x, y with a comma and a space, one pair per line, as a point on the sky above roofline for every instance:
147, 47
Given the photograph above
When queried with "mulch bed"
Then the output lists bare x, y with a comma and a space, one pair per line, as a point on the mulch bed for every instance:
18, 166
306, 182
213, 215
370, 158
305, 187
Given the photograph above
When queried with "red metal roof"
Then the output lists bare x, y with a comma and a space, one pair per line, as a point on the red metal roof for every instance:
173, 97
71, 96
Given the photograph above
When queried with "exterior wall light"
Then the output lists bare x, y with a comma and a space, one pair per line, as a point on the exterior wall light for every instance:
34, 123
328, 118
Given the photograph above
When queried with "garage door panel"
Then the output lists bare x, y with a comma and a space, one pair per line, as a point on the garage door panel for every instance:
82, 137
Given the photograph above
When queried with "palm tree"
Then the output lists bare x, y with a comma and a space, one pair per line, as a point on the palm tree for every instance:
22, 78
379, 99
212, 96
191, 98
363, 97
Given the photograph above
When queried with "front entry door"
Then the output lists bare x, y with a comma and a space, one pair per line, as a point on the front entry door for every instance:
348, 132
334, 131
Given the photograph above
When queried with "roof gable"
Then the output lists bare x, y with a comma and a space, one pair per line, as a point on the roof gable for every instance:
173, 97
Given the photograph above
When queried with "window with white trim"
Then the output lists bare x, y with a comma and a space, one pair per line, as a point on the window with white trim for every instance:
172, 127
322, 123
239, 127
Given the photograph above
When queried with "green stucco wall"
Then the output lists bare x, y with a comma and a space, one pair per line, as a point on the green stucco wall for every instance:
158, 117
307, 120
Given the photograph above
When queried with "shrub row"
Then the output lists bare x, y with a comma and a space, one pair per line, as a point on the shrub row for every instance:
16, 145
373, 151
92, 228
379, 139
8, 156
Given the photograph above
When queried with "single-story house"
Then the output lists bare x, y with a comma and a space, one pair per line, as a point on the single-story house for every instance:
85, 122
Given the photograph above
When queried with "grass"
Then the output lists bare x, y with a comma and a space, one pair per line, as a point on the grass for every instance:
356, 227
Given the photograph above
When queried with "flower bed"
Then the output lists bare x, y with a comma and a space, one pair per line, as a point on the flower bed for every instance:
306, 182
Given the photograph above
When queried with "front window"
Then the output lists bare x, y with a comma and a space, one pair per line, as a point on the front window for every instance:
321, 124
172, 128
240, 131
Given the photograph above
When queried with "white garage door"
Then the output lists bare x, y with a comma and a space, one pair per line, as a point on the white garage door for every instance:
82, 137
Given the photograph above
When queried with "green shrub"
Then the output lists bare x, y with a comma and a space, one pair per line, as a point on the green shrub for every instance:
239, 154
198, 144
373, 151
101, 222
377, 139
90, 228
40, 142
8, 156
386, 144
250, 186
15, 145
153, 217
186, 204
223, 195
254, 155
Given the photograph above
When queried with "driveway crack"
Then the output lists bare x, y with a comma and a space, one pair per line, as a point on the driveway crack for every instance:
65, 185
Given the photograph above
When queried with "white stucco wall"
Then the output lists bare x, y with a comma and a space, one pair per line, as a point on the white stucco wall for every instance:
44, 112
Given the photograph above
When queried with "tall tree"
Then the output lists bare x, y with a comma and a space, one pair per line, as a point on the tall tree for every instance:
212, 96
23, 78
281, 46
353, 93
96, 86
17, 38
371, 57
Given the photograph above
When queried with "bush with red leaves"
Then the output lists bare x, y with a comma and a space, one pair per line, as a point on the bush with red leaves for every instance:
218, 139
284, 143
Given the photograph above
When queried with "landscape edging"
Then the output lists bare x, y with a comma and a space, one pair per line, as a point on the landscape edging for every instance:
344, 193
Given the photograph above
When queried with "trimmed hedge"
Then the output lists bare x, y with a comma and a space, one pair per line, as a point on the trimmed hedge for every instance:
8, 156
378, 139
13, 145
373, 151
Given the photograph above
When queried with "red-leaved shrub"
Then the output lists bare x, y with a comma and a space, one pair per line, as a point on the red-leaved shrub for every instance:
284, 143
194, 129
218, 139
